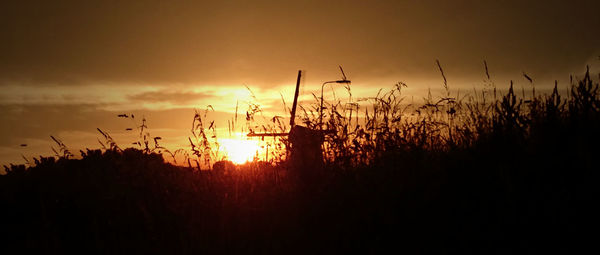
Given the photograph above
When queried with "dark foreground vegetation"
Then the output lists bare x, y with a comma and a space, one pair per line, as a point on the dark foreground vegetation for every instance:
510, 175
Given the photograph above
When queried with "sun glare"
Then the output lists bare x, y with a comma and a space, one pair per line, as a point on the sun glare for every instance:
239, 151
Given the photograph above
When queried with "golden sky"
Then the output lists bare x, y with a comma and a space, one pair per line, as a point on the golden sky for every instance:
68, 67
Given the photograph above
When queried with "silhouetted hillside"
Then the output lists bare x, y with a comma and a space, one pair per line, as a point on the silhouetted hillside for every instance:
512, 176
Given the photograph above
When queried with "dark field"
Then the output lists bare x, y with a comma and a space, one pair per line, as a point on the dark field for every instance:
480, 174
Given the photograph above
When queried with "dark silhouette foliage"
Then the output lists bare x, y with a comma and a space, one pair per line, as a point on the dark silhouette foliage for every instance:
507, 176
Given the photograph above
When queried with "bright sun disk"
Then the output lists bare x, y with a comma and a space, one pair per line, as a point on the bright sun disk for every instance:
239, 151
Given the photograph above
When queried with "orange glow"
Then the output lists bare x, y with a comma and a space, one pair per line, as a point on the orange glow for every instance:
239, 151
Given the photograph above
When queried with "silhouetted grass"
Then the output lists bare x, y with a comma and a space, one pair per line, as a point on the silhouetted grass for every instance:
477, 174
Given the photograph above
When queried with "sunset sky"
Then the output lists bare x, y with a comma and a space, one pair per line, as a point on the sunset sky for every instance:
69, 67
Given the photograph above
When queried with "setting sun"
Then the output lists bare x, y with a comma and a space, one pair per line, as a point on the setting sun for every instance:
239, 151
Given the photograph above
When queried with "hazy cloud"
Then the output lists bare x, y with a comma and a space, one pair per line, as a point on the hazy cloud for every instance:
265, 42
175, 98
